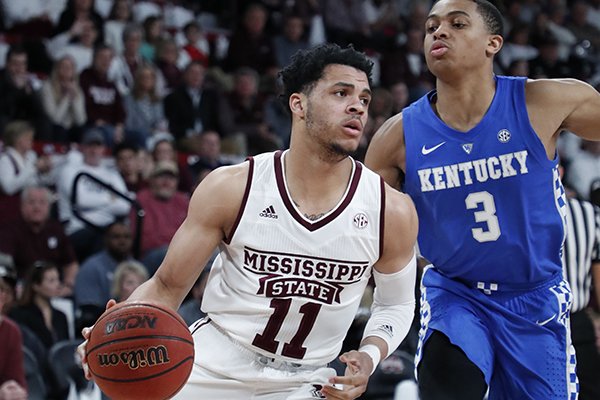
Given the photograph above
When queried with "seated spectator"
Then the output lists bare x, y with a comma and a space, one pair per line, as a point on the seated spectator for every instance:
190, 309
8, 276
37, 236
548, 63
144, 107
247, 107
125, 64
194, 107
31, 17
584, 168
78, 43
292, 40
19, 167
64, 102
120, 15
35, 310
167, 56
19, 94
196, 45
36, 314
94, 281
250, 45
13, 385
127, 163
128, 276
94, 207
103, 102
165, 208
77, 11
209, 155
162, 148
153, 33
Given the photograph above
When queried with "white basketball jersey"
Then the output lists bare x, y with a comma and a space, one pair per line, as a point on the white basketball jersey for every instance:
289, 287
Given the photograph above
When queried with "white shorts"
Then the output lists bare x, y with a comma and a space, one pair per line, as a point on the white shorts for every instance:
224, 369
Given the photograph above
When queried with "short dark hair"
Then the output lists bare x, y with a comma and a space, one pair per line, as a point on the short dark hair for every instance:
492, 18
307, 67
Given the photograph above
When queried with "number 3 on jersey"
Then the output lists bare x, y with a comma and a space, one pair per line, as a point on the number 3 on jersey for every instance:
294, 348
487, 214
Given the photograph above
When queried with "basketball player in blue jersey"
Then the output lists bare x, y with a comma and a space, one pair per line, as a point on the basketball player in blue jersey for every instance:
478, 157
300, 233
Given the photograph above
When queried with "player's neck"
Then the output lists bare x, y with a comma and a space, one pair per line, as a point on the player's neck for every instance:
316, 186
462, 105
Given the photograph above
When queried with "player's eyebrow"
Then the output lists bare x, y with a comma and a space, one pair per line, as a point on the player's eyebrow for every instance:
450, 14
351, 86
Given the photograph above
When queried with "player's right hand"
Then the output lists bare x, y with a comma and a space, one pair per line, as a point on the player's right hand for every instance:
86, 332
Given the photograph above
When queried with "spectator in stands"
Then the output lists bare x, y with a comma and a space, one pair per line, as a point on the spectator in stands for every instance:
126, 161
153, 34
250, 46
165, 208
190, 309
406, 63
345, 22
196, 45
92, 207
247, 106
194, 107
37, 236
64, 101
19, 167
144, 107
128, 276
548, 63
13, 385
584, 168
162, 148
124, 65
31, 17
517, 46
581, 28
19, 94
103, 102
8, 274
120, 15
400, 96
77, 11
35, 310
290, 41
209, 155
94, 281
167, 55
79, 44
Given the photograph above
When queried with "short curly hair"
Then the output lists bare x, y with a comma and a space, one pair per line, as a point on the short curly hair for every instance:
307, 66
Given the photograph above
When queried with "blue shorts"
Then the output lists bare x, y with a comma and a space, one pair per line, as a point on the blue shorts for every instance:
520, 339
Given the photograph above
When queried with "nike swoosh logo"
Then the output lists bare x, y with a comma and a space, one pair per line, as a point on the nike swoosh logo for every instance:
425, 150
544, 322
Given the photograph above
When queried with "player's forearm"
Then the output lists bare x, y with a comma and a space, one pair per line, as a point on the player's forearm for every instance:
156, 290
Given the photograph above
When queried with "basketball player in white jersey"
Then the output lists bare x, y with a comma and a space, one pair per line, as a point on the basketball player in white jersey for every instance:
300, 233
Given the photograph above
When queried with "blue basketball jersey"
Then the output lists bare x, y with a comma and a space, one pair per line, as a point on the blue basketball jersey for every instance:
490, 203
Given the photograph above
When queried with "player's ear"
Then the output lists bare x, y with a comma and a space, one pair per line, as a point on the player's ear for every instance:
297, 104
494, 44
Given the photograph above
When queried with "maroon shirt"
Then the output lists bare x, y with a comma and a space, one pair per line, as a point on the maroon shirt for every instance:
102, 99
26, 246
11, 353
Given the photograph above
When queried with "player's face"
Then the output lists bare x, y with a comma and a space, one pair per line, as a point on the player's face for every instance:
337, 109
455, 36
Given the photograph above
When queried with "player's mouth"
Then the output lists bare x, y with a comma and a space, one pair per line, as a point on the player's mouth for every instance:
353, 127
438, 49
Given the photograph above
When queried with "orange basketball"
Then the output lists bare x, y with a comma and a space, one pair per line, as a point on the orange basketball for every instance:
140, 350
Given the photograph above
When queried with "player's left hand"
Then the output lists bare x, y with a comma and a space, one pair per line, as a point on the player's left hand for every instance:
354, 382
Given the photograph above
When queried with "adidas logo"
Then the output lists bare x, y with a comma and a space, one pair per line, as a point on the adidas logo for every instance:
268, 212
387, 329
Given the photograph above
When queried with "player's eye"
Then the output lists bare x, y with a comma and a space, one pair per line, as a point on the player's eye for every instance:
340, 93
459, 25
431, 28
365, 101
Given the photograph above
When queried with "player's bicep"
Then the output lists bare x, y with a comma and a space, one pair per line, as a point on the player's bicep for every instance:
400, 233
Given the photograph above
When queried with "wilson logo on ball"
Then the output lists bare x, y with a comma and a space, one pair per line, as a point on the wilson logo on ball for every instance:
135, 359
134, 321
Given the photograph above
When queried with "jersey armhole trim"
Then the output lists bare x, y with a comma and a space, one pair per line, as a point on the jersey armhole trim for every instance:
244, 201
381, 217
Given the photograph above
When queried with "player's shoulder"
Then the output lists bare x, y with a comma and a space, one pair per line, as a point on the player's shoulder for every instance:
224, 187
392, 129
556, 89
400, 209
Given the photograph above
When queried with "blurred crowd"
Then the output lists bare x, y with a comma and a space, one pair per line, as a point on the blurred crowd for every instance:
112, 111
